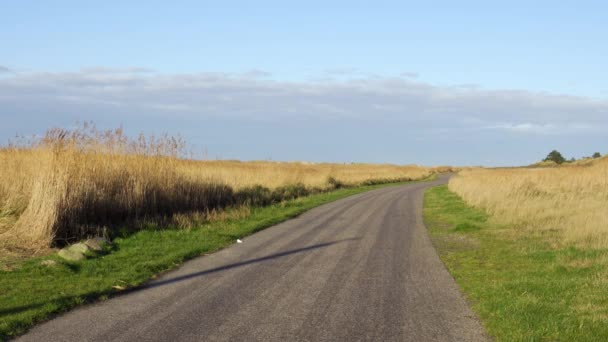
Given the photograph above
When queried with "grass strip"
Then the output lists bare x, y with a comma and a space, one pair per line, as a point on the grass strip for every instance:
522, 286
33, 292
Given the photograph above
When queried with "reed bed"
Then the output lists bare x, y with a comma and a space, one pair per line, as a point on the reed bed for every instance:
72, 184
571, 201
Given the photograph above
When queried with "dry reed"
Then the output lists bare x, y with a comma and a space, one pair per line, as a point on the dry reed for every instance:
570, 200
71, 184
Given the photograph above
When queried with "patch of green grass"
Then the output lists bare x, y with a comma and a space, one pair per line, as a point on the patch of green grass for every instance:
520, 285
33, 292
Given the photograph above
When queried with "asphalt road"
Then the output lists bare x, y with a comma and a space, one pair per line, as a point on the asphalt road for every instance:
359, 269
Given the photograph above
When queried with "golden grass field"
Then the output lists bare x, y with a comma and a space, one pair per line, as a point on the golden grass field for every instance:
71, 184
570, 200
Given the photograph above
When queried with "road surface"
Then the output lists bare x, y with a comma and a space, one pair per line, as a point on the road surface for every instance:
358, 269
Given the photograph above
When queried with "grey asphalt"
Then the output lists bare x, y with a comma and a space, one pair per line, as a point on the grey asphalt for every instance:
358, 269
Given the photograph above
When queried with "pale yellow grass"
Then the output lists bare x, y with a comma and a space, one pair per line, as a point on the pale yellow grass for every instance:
274, 174
71, 184
570, 200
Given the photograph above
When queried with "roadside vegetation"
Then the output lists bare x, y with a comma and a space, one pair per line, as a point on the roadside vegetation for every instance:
73, 184
526, 283
568, 205
529, 246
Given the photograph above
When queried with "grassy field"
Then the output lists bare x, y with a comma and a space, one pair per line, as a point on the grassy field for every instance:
33, 292
569, 202
69, 185
524, 286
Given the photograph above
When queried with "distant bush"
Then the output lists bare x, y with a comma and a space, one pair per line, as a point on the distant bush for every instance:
289, 192
259, 195
255, 195
596, 155
386, 180
555, 156
334, 183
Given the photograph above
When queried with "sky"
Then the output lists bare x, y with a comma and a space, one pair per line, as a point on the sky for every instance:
490, 83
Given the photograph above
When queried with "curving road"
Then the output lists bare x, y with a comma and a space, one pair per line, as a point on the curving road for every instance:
362, 268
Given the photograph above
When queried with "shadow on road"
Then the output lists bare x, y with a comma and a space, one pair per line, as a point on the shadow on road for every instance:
244, 263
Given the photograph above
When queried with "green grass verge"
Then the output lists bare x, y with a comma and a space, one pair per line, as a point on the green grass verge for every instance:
34, 292
522, 287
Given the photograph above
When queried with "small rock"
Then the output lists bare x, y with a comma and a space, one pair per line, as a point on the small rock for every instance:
96, 244
79, 248
71, 255
48, 262
239, 241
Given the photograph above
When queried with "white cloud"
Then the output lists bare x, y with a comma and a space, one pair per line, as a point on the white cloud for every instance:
525, 128
544, 129
255, 96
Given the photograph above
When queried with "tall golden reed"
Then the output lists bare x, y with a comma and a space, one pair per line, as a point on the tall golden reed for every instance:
70, 184
571, 200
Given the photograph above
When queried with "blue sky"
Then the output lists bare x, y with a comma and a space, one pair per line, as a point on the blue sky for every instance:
436, 82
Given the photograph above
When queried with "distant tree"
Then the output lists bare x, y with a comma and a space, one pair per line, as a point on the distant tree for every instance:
572, 160
555, 156
596, 155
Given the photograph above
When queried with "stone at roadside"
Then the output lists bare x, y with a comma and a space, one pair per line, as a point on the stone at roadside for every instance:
96, 244
71, 255
79, 248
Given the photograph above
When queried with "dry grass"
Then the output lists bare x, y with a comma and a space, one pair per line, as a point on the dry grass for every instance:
72, 184
570, 200
275, 174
